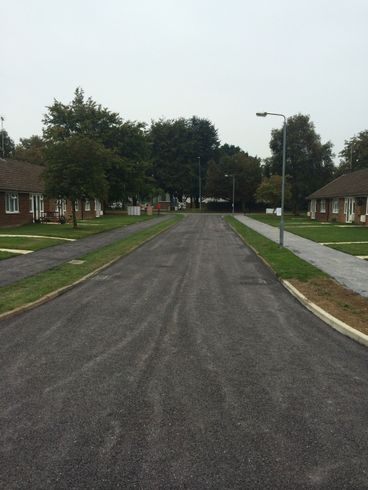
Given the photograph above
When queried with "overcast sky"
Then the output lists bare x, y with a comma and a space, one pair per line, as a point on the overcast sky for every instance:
223, 60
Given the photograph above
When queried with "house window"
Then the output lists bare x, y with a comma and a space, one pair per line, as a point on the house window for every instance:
366, 211
322, 206
11, 202
87, 205
76, 203
335, 206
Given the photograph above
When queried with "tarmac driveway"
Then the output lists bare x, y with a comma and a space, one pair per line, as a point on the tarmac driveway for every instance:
184, 365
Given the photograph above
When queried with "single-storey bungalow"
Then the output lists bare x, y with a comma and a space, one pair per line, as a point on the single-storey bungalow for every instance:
22, 196
344, 200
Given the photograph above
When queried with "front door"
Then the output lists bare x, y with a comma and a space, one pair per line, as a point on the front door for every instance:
313, 208
36, 206
349, 209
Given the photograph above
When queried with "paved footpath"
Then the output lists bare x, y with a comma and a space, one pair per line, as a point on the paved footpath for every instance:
21, 266
185, 365
344, 268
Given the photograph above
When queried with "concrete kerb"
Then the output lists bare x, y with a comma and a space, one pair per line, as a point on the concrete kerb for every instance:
64, 289
330, 320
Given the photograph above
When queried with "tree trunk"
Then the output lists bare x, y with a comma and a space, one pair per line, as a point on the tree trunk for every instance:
74, 214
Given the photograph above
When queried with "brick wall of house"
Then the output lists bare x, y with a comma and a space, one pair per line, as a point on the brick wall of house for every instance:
13, 219
52, 206
328, 215
322, 216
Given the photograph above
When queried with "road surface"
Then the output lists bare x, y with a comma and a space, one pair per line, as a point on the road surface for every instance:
184, 365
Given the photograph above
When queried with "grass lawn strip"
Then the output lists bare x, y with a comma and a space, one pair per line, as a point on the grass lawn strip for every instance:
318, 287
5, 255
32, 289
2, 235
89, 227
27, 243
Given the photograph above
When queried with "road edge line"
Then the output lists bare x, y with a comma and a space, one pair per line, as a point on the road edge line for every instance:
322, 314
64, 289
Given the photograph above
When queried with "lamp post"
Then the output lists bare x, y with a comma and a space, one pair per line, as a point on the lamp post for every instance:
199, 184
233, 176
2, 136
282, 221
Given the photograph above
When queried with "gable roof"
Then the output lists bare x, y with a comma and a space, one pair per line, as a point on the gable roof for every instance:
16, 175
353, 184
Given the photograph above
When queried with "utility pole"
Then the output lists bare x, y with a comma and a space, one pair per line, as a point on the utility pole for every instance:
199, 183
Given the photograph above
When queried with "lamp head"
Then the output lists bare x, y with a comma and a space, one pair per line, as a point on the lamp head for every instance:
261, 114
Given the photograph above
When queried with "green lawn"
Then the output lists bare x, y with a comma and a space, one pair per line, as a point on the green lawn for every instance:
27, 243
85, 228
5, 255
352, 248
323, 233
285, 264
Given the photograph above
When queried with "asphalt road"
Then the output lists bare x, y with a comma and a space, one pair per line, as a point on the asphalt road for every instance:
186, 365
16, 268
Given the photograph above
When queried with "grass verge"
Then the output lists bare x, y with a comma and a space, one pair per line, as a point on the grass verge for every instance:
317, 286
85, 228
284, 263
35, 287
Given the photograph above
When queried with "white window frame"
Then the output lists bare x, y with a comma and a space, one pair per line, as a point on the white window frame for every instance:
322, 206
14, 198
87, 205
76, 204
42, 206
366, 210
335, 205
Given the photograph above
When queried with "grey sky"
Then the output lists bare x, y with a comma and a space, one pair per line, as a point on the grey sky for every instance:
223, 60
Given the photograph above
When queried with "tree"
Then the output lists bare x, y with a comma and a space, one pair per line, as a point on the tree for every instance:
84, 117
172, 156
31, 150
354, 155
247, 171
269, 191
75, 170
308, 161
9, 146
176, 145
126, 140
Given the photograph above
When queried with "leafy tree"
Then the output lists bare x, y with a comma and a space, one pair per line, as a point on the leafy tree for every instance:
227, 150
247, 171
176, 145
75, 169
9, 146
269, 191
84, 117
127, 141
172, 156
354, 155
31, 150
308, 161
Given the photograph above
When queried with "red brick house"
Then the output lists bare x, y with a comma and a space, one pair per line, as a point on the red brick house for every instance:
22, 196
21, 192
344, 200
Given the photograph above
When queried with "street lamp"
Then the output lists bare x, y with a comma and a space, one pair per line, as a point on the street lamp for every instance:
199, 183
2, 136
233, 176
282, 222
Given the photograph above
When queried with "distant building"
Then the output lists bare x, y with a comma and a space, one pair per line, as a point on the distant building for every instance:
22, 196
344, 200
